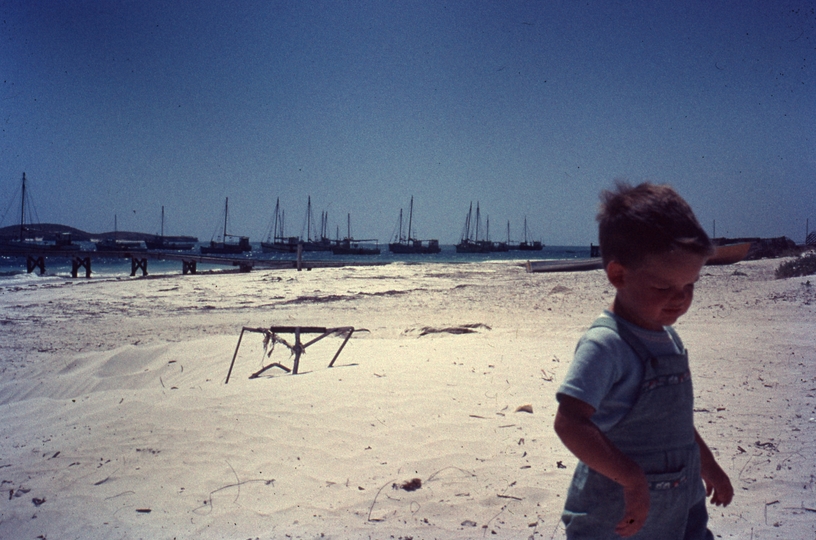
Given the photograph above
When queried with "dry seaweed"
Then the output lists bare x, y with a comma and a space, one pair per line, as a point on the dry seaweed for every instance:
800, 266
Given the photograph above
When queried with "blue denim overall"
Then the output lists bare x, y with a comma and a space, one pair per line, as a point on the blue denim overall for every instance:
658, 434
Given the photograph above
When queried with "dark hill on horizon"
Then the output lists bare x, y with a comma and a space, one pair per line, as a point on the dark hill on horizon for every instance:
49, 231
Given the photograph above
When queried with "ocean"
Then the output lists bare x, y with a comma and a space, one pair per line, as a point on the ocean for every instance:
13, 268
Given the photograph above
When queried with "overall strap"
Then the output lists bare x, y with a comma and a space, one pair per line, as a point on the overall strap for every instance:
627, 335
676, 338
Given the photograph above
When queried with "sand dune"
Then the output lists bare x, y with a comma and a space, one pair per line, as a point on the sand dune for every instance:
117, 422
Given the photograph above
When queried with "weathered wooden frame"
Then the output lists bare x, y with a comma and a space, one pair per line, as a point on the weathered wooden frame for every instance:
299, 347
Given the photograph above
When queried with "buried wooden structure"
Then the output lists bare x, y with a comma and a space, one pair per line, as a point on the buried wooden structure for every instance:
297, 349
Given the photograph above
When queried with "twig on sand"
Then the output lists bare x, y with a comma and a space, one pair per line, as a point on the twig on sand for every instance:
415, 481
209, 504
371, 508
767, 504
433, 476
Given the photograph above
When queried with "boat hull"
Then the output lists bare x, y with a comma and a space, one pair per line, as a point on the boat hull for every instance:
224, 248
729, 254
565, 265
415, 246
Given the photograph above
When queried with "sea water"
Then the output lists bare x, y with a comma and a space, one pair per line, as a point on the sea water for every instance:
13, 269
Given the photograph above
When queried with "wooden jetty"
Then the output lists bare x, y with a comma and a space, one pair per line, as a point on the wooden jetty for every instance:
35, 259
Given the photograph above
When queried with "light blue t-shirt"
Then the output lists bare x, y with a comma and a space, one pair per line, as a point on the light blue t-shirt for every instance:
606, 373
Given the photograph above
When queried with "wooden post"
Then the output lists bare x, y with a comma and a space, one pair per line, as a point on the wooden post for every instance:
136, 264
300, 256
80, 262
298, 350
32, 263
188, 267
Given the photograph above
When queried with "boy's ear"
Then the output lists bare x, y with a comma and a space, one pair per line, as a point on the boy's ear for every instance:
615, 272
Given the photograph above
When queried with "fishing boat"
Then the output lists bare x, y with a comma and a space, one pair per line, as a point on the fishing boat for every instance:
33, 238
408, 244
114, 244
276, 240
470, 242
224, 247
320, 241
499, 247
350, 246
172, 243
529, 246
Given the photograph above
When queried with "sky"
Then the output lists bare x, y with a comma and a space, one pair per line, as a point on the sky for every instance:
115, 108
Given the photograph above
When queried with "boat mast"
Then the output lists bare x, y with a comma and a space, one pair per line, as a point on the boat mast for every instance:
309, 219
275, 226
282, 220
226, 213
162, 222
22, 211
410, 217
467, 222
478, 219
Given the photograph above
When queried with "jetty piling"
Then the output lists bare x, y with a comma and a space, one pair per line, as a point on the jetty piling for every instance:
81, 262
138, 264
33, 262
35, 259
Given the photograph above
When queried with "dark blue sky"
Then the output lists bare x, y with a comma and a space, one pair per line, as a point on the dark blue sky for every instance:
531, 108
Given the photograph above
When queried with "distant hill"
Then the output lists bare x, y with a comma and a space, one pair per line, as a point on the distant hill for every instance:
49, 231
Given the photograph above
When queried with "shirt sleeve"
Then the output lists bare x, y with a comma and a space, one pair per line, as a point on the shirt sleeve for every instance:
606, 374
594, 370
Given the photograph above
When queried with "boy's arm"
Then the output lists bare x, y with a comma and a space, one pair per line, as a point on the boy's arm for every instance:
716, 481
583, 438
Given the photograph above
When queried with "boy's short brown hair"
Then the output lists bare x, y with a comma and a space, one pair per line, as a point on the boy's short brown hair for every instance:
647, 219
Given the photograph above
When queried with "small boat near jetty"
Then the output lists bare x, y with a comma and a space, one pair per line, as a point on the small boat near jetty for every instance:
471, 243
408, 244
224, 247
350, 246
171, 243
535, 245
321, 241
276, 240
35, 238
114, 244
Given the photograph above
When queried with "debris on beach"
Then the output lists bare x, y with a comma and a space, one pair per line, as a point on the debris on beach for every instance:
463, 329
525, 408
409, 485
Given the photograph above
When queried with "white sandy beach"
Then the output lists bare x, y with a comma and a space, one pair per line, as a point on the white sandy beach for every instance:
116, 422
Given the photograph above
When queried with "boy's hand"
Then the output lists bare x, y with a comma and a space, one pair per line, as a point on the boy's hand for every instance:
717, 485
636, 498
583, 438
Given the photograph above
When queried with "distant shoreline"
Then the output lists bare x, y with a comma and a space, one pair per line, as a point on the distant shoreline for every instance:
51, 230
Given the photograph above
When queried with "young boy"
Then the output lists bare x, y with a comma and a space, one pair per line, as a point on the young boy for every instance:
626, 407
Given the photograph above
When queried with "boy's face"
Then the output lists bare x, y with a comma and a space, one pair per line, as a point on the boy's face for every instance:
656, 293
